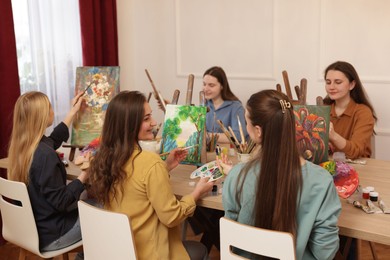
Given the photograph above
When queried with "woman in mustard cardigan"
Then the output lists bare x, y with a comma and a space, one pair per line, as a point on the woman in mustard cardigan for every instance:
135, 182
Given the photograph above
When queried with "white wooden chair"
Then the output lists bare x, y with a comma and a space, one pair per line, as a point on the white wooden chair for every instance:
254, 240
19, 225
106, 234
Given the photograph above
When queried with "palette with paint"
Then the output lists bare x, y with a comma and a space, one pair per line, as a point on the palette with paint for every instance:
208, 170
345, 177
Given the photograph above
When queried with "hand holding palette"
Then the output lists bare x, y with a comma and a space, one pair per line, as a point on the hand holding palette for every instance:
208, 170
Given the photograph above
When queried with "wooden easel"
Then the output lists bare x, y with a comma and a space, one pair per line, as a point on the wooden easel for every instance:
301, 91
72, 150
162, 103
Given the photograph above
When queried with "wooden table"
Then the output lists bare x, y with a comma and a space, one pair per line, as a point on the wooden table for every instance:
353, 222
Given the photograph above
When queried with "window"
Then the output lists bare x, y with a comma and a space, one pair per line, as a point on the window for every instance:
48, 42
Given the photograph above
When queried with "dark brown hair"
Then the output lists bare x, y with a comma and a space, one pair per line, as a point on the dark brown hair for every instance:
220, 75
123, 120
280, 177
358, 94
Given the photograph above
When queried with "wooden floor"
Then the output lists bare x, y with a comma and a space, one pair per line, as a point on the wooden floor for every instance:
11, 252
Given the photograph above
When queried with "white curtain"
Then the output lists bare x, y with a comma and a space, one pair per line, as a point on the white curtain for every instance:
48, 43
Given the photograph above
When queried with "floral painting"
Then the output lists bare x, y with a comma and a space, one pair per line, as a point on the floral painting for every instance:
312, 131
184, 126
100, 85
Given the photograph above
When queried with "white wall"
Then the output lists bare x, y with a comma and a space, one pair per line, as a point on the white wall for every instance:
254, 41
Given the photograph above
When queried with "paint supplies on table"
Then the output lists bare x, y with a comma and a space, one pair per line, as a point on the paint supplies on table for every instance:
244, 147
383, 207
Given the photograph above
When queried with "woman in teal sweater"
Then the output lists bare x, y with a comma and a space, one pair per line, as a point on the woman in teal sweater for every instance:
278, 189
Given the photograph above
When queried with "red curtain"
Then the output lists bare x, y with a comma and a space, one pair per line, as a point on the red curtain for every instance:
10, 90
99, 33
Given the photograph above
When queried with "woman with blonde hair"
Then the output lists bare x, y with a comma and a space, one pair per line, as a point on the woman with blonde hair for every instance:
33, 160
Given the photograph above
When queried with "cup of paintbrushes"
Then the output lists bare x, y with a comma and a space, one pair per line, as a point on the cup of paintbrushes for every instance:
244, 157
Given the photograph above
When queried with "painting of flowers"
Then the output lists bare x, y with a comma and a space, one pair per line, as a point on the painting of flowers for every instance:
100, 85
312, 131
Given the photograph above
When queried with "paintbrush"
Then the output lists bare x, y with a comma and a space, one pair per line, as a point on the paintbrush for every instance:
85, 90
241, 131
182, 149
233, 134
229, 137
218, 153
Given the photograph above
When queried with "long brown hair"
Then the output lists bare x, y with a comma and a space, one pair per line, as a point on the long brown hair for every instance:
280, 177
30, 120
358, 94
119, 140
220, 75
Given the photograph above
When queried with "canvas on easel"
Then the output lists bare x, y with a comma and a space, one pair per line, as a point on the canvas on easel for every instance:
100, 84
312, 131
184, 126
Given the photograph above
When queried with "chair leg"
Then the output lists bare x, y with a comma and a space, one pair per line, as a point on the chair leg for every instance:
342, 254
358, 248
184, 230
373, 250
347, 246
339, 256
65, 256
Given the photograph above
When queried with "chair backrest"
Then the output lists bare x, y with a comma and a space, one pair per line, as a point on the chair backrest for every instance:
19, 225
254, 240
106, 235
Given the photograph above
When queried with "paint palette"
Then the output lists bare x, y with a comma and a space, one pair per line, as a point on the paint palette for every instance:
345, 177
347, 184
208, 170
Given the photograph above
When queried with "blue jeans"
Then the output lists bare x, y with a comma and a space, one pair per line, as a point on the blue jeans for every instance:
69, 238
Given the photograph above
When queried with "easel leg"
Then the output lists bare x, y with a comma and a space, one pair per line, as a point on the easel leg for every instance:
71, 154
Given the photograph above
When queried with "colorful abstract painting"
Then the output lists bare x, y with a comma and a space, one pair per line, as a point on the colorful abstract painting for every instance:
312, 131
101, 85
184, 126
